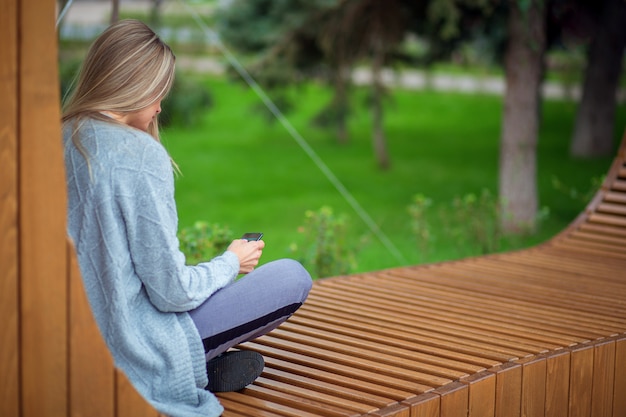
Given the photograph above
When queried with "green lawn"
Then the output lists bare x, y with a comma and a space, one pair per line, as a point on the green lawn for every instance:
243, 172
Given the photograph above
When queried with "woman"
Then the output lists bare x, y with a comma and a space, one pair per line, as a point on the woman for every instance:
161, 319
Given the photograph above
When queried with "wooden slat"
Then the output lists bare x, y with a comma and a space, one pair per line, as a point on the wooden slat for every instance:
581, 380
317, 405
397, 410
432, 340
603, 230
603, 378
482, 394
619, 399
508, 390
91, 370
128, 403
43, 260
615, 197
261, 407
9, 306
335, 399
424, 405
619, 185
557, 383
607, 219
377, 388
533, 387
300, 383
454, 399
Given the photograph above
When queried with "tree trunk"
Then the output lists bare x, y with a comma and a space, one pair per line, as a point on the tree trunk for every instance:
155, 13
378, 133
518, 148
115, 10
340, 104
594, 126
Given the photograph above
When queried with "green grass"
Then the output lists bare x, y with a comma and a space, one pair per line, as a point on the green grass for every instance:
250, 175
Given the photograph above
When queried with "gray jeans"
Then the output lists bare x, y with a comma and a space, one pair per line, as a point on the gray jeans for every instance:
251, 306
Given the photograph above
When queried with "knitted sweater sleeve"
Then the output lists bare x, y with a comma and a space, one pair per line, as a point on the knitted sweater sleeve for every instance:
145, 195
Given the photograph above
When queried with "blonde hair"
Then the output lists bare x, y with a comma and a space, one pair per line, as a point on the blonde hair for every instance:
127, 68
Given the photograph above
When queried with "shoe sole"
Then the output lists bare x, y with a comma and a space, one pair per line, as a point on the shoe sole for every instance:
234, 370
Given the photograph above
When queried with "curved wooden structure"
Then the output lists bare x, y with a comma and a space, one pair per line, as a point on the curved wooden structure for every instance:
53, 361
539, 332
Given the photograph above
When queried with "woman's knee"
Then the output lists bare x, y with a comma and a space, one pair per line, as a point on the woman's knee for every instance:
289, 275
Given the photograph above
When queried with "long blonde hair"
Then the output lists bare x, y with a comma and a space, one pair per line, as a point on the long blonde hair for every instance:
127, 68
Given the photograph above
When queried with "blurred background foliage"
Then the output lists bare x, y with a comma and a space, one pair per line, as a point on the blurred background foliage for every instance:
422, 162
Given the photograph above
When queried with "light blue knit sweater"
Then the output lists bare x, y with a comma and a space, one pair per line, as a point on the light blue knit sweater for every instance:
123, 221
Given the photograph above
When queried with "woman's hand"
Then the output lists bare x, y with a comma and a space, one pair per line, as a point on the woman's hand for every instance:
247, 252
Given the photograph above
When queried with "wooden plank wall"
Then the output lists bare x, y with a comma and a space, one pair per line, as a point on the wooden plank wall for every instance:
53, 361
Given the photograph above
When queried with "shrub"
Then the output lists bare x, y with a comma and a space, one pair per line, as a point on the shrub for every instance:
470, 222
325, 250
420, 226
187, 102
203, 241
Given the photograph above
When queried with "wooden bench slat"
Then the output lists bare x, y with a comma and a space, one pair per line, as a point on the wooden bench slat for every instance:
513, 289
496, 348
483, 308
516, 310
425, 340
587, 237
334, 360
376, 388
615, 197
585, 246
303, 383
302, 402
603, 229
453, 320
607, 219
516, 344
497, 299
251, 406
612, 208
395, 357
364, 339
385, 384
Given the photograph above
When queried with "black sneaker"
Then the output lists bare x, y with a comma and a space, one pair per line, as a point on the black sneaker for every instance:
234, 370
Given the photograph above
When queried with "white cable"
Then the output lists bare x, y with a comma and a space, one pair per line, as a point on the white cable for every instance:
296, 135
62, 14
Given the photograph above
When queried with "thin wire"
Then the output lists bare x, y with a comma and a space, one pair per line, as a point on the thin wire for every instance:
296, 135
62, 14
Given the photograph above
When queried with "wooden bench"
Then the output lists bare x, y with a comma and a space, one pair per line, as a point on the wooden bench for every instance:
538, 332
530, 333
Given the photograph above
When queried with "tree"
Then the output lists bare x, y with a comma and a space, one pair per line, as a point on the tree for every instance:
115, 10
594, 125
524, 73
327, 38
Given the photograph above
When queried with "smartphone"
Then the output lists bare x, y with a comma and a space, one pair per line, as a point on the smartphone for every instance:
252, 236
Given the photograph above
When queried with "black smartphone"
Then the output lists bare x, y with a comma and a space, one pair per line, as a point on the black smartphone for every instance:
252, 236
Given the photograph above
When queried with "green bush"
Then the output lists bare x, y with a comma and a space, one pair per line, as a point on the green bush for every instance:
325, 250
475, 223
204, 241
470, 223
420, 226
187, 102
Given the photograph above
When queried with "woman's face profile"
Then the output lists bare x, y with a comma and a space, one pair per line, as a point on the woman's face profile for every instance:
141, 119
